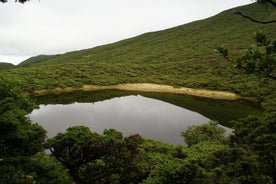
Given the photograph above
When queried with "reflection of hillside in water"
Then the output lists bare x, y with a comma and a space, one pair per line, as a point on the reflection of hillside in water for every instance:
220, 110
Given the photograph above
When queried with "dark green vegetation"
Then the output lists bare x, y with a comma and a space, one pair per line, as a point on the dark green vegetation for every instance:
196, 134
21, 142
260, 58
85, 157
6, 66
181, 56
93, 158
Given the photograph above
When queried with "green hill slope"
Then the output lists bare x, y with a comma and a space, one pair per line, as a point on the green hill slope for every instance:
180, 56
6, 66
35, 60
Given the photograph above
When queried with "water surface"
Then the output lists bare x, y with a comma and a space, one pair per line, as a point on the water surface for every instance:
148, 117
152, 115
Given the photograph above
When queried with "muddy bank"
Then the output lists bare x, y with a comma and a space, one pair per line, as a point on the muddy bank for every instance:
146, 87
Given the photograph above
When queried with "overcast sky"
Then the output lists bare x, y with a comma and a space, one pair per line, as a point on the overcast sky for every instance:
58, 26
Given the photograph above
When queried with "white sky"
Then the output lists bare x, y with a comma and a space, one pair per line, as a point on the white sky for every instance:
58, 26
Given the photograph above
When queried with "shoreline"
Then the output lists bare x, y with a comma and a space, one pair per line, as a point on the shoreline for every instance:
147, 87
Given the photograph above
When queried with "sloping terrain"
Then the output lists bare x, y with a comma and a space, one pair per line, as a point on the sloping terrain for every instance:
181, 56
6, 66
35, 60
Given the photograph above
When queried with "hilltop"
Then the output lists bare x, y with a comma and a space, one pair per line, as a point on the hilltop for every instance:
182, 56
35, 60
6, 66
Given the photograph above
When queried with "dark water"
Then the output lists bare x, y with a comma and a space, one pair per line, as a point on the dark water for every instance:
157, 116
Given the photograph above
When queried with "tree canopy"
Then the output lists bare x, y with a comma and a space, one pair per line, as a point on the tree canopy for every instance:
22, 141
94, 158
205, 132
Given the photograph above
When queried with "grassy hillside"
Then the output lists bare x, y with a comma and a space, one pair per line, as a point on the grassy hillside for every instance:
6, 66
35, 60
180, 56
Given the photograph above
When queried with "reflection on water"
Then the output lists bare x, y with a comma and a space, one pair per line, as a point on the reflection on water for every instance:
160, 116
221, 110
149, 117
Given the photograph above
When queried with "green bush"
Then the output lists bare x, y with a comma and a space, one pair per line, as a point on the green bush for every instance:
209, 132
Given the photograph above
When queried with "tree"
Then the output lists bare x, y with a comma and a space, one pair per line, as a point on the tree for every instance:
258, 134
18, 135
95, 158
205, 132
20, 1
20, 139
48, 170
177, 171
222, 51
260, 57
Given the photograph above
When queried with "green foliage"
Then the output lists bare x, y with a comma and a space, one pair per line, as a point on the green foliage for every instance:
47, 170
19, 136
258, 134
39, 168
209, 132
14, 170
176, 171
20, 139
232, 165
13, 97
260, 58
95, 158
222, 51
206, 163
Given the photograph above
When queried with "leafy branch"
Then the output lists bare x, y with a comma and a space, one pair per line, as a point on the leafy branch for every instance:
260, 58
271, 2
20, 1
255, 20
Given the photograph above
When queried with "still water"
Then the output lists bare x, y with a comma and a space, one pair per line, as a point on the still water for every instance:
146, 115
131, 114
